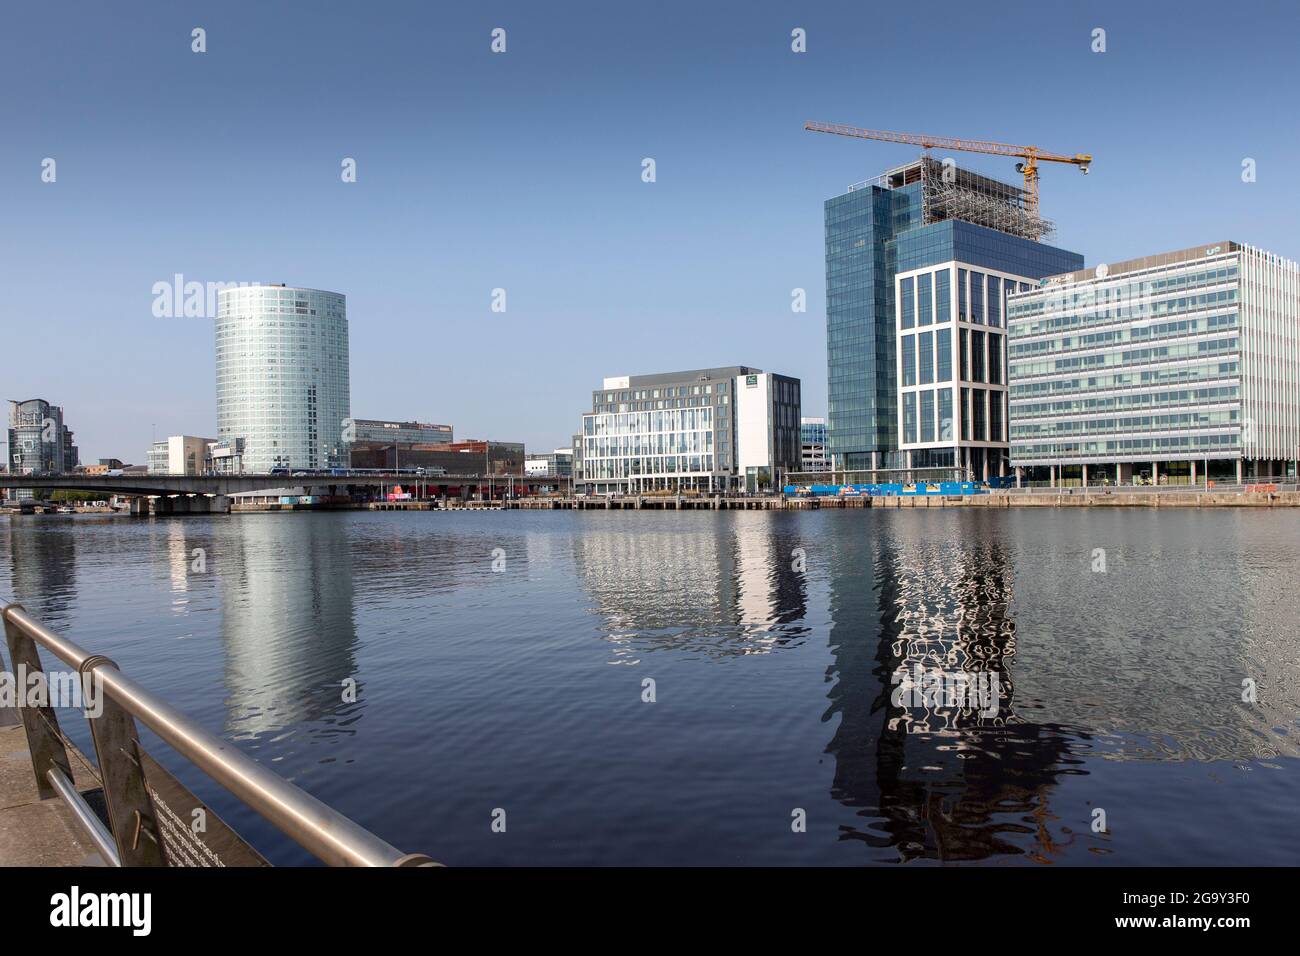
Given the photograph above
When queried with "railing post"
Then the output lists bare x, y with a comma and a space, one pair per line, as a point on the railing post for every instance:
117, 749
42, 726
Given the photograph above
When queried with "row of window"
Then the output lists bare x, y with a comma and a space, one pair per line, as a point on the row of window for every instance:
1085, 297
1214, 445
1160, 376
1180, 328
928, 416
651, 465
1118, 403
1146, 356
926, 300
1132, 423
1144, 310
630, 423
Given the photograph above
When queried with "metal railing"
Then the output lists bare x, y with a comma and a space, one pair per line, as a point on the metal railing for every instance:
136, 836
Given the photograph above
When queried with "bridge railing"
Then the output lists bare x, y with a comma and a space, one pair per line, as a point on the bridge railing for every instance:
154, 820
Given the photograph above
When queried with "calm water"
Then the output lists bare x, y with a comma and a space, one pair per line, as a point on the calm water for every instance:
522, 689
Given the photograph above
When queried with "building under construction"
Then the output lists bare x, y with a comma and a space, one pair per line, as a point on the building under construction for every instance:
919, 262
950, 192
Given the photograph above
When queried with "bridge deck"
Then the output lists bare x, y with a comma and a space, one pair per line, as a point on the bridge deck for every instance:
35, 832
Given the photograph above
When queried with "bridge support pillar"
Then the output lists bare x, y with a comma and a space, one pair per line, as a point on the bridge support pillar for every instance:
219, 504
162, 506
140, 507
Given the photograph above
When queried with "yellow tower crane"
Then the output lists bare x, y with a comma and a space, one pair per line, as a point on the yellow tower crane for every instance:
1031, 156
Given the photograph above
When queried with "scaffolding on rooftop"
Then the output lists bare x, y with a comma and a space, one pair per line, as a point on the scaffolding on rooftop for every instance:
950, 192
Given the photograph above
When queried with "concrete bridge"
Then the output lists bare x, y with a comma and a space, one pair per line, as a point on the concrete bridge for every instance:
167, 485
202, 494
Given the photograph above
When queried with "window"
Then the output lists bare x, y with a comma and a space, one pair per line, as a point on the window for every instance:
963, 362
977, 297
943, 351
924, 310
977, 356
979, 413
995, 416
942, 307
909, 304
962, 312
995, 301
909, 417
927, 416
925, 356
945, 415
995, 358
965, 414
909, 360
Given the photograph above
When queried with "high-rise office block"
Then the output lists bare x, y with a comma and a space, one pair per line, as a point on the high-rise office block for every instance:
282, 376
1168, 368
930, 226
38, 442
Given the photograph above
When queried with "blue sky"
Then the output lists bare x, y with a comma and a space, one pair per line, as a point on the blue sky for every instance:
522, 171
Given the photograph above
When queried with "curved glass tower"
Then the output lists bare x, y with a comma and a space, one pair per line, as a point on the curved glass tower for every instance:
282, 376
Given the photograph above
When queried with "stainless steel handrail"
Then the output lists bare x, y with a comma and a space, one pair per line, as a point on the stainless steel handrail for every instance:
91, 824
316, 827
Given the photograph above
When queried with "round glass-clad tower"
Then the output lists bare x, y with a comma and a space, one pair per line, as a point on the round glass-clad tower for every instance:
282, 376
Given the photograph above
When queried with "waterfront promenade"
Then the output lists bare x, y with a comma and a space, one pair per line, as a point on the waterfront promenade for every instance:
36, 832
1245, 496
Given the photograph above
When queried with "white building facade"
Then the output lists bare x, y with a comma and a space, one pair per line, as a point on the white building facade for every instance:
952, 366
711, 430
1171, 368
179, 455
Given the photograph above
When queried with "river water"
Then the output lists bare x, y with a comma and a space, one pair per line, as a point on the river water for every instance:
721, 688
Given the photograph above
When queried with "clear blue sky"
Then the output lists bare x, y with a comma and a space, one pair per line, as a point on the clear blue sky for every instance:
523, 171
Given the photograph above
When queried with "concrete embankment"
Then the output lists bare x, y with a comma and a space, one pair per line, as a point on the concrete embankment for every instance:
1062, 498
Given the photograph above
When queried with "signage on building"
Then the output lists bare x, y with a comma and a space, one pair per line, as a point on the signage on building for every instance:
751, 381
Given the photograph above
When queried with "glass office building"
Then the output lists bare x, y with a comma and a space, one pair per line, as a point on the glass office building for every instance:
282, 376
926, 226
38, 442
378, 430
718, 429
1169, 369
812, 439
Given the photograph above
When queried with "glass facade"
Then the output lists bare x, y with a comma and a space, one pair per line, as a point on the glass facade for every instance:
1184, 356
862, 403
283, 377
695, 429
874, 234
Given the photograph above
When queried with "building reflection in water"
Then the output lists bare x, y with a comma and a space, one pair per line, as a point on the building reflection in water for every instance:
288, 626
43, 566
717, 589
939, 775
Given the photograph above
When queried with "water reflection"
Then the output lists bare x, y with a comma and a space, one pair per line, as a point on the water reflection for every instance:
43, 566
732, 588
288, 626
929, 749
